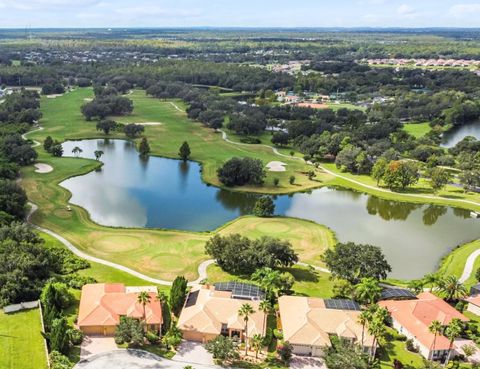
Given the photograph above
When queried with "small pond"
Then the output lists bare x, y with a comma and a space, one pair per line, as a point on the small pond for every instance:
128, 191
457, 134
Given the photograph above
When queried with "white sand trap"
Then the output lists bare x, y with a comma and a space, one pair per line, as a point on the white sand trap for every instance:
43, 168
276, 166
150, 124
53, 96
88, 99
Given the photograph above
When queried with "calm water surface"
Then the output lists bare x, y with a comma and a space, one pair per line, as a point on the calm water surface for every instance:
455, 135
163, 193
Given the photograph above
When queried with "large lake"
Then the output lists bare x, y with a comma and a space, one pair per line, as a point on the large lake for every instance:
128, 191
457, 134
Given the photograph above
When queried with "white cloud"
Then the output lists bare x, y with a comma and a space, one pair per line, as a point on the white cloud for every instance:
46, 4
405, 9
461, 10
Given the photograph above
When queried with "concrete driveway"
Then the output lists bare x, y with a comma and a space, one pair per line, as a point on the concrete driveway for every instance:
193, 352
93, 345
133, 359
306, 362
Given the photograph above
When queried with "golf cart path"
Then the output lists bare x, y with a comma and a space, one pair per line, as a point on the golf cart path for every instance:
468, 269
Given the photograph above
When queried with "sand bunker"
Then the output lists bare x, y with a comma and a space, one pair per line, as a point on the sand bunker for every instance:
43, 168
276, 166
88, 99
53, 96
150, 124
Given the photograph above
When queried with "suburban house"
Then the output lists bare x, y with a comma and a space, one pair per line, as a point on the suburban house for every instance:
308, 323
102, 305
474, 300
413, 317
210, 311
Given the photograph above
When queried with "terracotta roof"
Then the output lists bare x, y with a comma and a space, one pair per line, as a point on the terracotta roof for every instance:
417, 315
307, 321
102, 305
210, 309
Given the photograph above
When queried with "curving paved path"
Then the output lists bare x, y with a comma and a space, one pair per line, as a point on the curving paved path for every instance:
202, 268
468, 269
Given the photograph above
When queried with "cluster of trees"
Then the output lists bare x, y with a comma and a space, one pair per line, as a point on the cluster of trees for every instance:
24, 257
107, 102
241, 171
53, 87
241, 255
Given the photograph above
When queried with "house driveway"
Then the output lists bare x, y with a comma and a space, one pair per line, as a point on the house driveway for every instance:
307, 362
133, 359
193, 352
93, 345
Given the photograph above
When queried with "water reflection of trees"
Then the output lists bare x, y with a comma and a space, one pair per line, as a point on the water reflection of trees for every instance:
230, 200
432, 213
461, 213
388, 209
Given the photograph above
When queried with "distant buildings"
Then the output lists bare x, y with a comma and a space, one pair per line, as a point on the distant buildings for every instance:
307, 323
102, 305
460, 63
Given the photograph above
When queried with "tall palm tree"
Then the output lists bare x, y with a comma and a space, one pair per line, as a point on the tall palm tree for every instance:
451, 288
245, 311
431, 279
368, 291
364, 318
265, 307
376, 326
144, 299
257, 342
453, 331
435, 327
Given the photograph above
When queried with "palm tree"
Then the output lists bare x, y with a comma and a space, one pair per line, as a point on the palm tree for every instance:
144, 299
453, 331
431, 279
368, 291
257, 342
245, 311
451, 288
435, 327
376, 326
364, 318
416, 285
265, 307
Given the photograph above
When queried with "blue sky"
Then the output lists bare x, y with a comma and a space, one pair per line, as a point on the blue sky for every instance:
239, 13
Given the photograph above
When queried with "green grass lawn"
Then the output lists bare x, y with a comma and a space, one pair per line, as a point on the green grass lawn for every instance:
454, 263
395, 349
21, 344
335, 106
417, 129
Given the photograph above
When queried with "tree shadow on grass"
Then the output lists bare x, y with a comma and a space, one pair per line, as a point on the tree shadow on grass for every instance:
303, 274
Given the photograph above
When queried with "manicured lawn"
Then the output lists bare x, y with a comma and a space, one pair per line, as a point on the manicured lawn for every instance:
448, 196
21, 344
395, 349
62, 120
336, 107
417, 129
454, 263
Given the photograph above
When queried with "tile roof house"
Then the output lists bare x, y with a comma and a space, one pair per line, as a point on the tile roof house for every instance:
102, 305
307, 324
413, 317
209, 312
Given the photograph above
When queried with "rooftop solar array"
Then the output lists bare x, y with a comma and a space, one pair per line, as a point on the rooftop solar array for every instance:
397, 293
339, 304
244, 291
192, 298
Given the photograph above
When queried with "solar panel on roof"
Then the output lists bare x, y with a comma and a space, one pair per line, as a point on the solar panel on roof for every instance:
241, 290
192, 298
392, 293
340, 304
